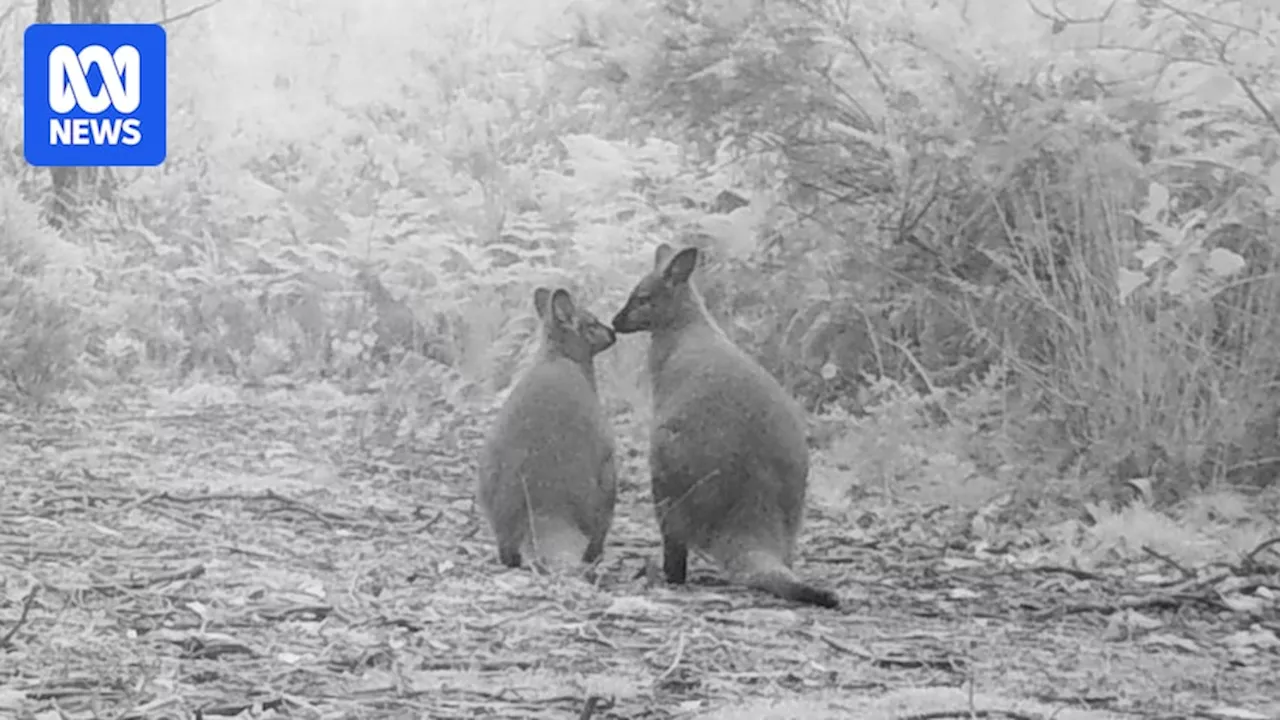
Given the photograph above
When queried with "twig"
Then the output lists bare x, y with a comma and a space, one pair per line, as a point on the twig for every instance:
27, 602
116, 588
1076, 573
589, 707
943, 714
1168, 561
1249, 559
190, 573
324, 517
842, 647
885, 661
188, 13
535, 610
675, 662
1141, 603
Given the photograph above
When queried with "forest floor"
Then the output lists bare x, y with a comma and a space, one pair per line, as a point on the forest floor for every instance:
218, 553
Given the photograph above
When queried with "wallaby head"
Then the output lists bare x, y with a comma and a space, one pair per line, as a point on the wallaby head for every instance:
664, 298
570, 330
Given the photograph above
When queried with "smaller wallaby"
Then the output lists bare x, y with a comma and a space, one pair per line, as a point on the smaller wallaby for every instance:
727, 451
547, 477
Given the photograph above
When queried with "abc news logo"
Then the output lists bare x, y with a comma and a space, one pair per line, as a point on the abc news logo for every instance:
69, 89
94, 95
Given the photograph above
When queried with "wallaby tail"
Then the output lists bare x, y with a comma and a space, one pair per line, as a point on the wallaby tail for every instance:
795, 590
764, 571
557, 544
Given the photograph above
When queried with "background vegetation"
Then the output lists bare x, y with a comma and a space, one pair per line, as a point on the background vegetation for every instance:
992, 246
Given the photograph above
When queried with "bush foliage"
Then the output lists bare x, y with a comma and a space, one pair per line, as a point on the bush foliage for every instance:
1047, 225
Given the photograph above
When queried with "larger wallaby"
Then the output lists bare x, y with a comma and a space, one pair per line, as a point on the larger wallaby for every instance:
727, 451
547, 477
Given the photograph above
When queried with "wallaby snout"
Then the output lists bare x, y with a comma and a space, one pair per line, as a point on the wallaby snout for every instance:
600, 337
661, 299
628, 320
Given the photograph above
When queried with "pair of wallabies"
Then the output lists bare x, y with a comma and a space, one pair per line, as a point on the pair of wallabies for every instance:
727, 452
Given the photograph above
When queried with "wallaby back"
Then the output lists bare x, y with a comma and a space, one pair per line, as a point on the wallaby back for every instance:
547, 479
727, 451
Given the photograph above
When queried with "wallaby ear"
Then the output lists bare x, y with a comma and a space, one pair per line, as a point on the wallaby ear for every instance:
542, 301
662, 255
681, 266
562, 306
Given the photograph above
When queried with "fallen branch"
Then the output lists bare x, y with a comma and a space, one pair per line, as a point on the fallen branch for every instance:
27, 602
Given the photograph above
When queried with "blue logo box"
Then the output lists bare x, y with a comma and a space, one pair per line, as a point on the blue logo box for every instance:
94, 95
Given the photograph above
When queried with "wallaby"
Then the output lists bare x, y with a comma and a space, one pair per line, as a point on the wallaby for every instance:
727, 451
547, 477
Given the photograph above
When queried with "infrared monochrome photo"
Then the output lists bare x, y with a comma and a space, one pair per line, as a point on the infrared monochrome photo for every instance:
640, 360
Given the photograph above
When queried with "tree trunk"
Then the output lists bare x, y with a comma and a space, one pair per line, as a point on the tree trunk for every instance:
72, 185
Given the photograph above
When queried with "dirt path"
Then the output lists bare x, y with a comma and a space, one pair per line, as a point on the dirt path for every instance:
225, 551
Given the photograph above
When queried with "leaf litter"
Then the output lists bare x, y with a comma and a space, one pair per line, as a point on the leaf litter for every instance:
249, 555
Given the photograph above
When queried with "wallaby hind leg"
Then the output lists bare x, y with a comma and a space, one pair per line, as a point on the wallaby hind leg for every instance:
675, 560
509, 555
594, 550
